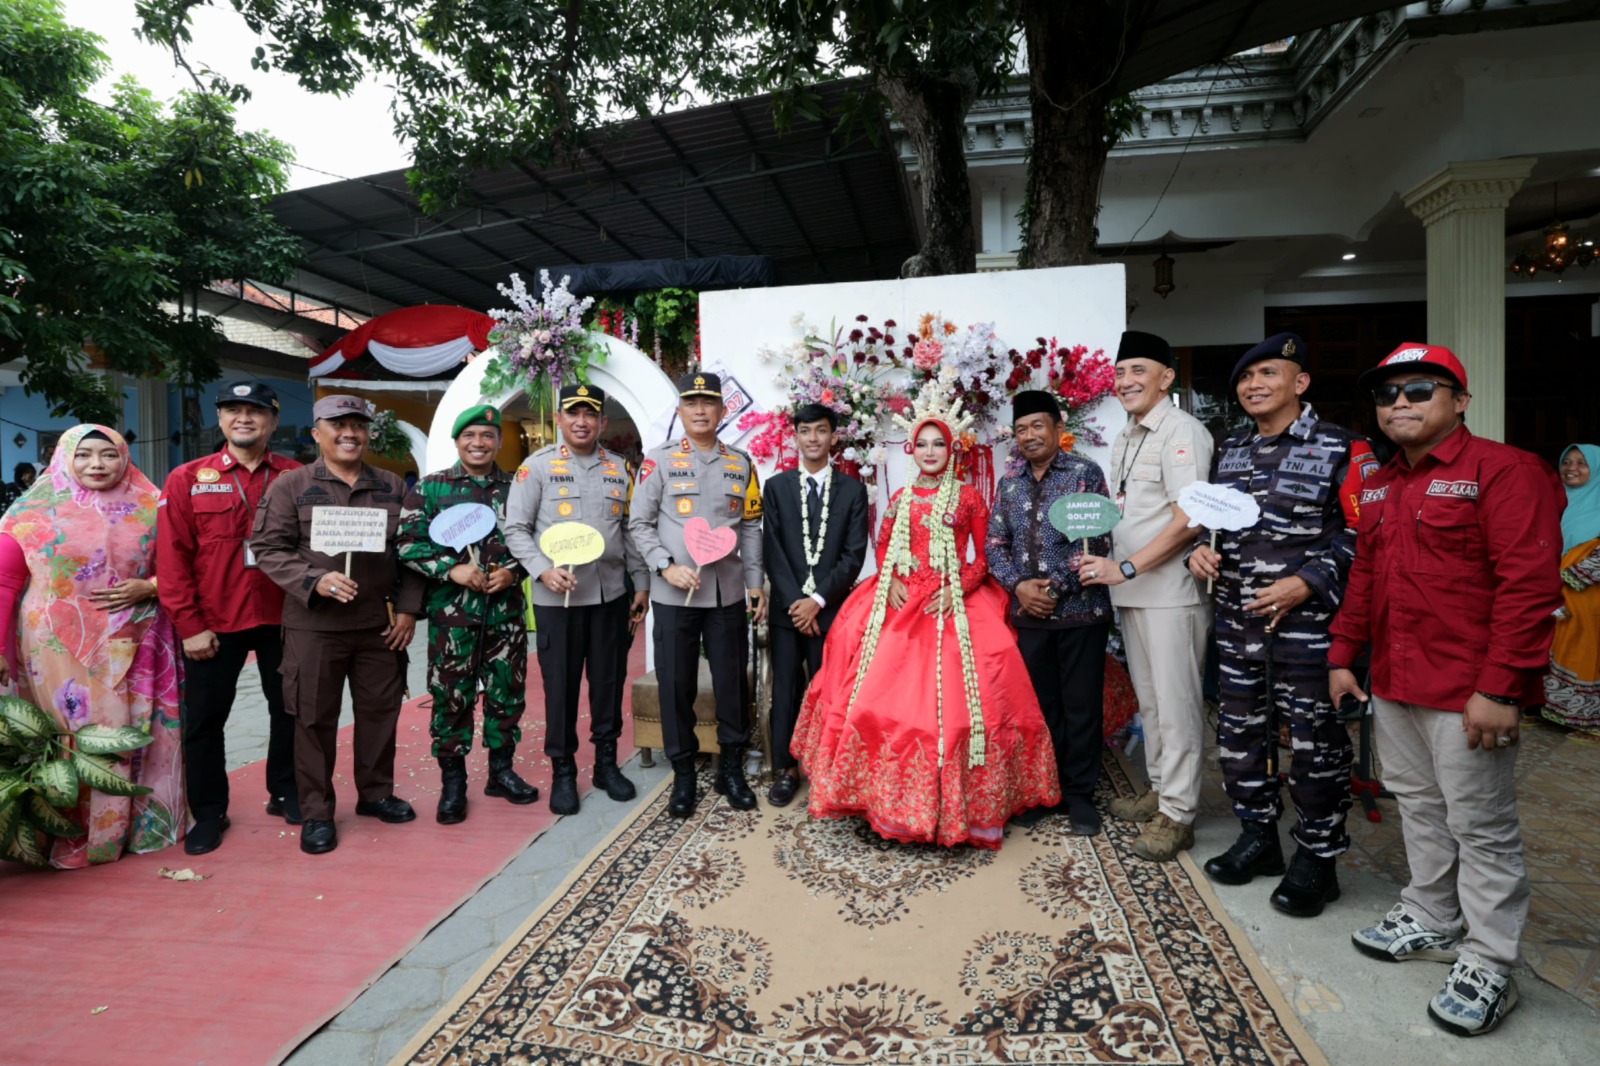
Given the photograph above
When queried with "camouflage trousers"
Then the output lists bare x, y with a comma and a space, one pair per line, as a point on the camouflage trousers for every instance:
1320, 751
501, 664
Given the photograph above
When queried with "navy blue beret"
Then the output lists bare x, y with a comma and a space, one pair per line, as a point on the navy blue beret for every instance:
1278, 346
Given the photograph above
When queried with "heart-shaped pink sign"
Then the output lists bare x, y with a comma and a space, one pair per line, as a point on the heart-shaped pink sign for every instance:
707, 545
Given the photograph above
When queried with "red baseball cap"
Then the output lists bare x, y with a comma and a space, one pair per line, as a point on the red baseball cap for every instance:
1412, 357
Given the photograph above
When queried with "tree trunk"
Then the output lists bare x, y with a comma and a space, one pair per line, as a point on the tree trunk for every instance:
934, 112
1073, 51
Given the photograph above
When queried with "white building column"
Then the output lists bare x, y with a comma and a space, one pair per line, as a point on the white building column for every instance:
1463, 208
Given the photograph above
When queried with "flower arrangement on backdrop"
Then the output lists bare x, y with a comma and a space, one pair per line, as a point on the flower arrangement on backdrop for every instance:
853, 372
867, 375
1078, 378
664, 322
540, 344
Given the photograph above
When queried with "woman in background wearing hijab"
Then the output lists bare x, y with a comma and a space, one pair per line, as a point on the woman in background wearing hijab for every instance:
89, 642
1572, 688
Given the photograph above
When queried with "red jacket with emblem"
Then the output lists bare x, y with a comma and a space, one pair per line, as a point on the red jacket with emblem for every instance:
205, 515
1456, 576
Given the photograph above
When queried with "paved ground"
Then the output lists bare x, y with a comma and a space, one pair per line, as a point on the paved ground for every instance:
1358, 1010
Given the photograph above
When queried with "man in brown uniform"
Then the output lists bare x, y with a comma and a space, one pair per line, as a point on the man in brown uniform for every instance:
337, 626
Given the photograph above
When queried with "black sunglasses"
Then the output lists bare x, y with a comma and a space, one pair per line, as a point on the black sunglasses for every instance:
1415, 391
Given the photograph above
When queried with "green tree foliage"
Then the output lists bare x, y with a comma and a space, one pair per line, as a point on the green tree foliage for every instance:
482, 82
113, 217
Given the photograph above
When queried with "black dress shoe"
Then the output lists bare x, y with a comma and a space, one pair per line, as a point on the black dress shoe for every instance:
781, 794
318, 837
285, 807
1310, 884
1082, 816
1034, 815
391, 809
1257, 852
206, 836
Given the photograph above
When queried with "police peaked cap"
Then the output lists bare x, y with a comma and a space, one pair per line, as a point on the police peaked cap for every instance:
1278, 346
1137, 345
700, 383
582, 395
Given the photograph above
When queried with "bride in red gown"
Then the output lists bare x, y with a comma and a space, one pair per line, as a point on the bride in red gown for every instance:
922, 718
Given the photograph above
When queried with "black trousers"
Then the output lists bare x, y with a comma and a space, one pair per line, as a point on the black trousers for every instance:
209, 688
1068, 670
678, 634
573, 641
796, 658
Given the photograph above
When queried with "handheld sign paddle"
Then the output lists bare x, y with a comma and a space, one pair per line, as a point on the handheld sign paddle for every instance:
571, 544
1218, 507
348, 530
462, 526
706, 545
1083, 515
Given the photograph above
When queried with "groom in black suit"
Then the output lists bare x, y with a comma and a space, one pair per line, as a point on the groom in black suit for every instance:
815, 540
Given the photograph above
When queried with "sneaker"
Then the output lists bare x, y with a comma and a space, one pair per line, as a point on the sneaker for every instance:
1140, 808
1162, 839
1401, 938
1474, 998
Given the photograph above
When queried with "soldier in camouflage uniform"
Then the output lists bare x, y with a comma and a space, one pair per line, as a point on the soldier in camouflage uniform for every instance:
476, 629
1278, 584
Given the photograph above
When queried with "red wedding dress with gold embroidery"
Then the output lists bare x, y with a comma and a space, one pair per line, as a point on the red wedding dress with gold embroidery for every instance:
881, 759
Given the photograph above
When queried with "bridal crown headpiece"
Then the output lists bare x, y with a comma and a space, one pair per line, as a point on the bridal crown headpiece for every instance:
937, 400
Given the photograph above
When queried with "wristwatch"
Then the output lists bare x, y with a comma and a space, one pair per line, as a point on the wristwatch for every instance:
1129, 571
1050, 590
661, 567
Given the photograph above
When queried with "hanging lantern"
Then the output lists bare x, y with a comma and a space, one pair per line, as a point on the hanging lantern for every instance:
1163, 284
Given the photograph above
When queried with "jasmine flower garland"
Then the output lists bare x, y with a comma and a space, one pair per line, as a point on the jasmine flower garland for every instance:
813, 552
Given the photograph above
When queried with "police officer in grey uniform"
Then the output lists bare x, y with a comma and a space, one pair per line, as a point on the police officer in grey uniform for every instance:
1278, 584
582, 613
699, 477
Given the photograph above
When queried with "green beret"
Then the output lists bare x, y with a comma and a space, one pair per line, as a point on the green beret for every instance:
482, 415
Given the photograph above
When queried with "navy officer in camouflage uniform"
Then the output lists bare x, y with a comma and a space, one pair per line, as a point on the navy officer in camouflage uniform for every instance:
698, 476
476, 629
1278, 584
582, 613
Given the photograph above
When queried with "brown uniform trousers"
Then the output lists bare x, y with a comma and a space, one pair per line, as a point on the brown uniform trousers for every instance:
326, 643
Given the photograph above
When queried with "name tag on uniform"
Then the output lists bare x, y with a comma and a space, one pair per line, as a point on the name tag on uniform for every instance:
1308, 462
1236, 461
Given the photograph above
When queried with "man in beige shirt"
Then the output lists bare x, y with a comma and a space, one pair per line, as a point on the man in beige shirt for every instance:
1163, 615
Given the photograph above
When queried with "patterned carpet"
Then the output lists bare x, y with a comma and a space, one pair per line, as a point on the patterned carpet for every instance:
770, 937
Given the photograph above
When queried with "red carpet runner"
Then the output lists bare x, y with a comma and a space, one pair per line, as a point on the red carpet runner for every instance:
118, 964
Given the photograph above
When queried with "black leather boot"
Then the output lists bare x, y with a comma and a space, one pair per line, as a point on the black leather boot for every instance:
681, 803
564, 786
1310, 883
1257, 851
730, 779
607, 777
453, 794
503, 780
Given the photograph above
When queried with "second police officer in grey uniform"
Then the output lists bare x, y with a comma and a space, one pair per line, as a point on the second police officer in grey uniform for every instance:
1278, 584
581, 614
699, 477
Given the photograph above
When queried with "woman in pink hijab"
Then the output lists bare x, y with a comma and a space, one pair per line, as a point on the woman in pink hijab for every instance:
88, 642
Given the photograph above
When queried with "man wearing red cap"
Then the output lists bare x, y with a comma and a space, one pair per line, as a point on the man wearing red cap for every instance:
1454, 587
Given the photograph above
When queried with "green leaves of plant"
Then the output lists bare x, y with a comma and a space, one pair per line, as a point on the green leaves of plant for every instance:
31, 727
99, 773
57, 780
45, 818
109, 740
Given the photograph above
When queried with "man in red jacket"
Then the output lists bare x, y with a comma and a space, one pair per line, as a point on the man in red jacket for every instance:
223, 607
1454, 587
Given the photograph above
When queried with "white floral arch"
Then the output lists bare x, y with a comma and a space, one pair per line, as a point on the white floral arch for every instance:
628, 376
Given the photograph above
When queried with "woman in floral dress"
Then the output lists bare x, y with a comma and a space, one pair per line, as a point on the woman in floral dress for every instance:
1572, 687
90, 642
922, 718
